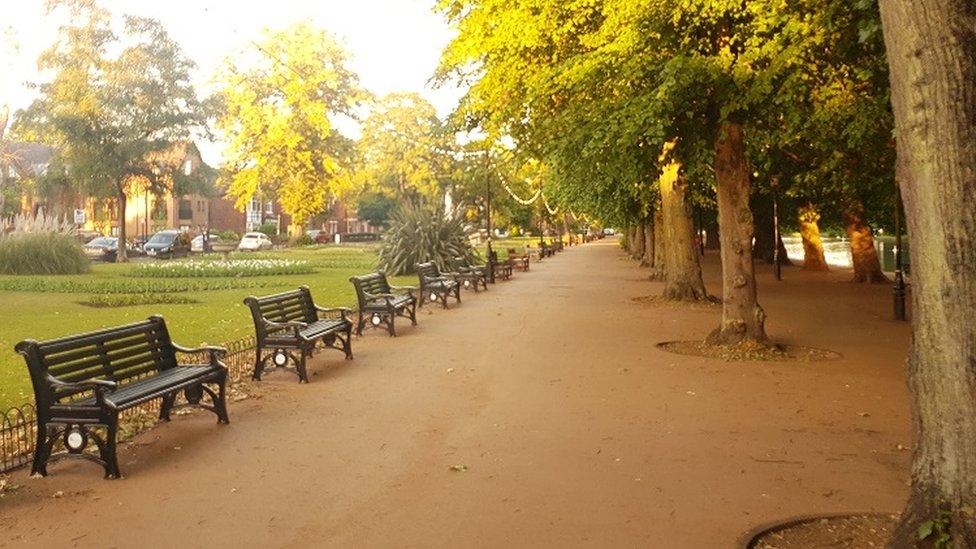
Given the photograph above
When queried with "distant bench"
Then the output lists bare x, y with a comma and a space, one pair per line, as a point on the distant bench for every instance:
380, 303
82, 383
435, 286
291, 321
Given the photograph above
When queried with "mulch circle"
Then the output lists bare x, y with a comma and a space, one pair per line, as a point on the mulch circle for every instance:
850, 530
661, 301
775, 353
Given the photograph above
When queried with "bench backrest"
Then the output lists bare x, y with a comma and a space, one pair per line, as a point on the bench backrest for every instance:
372, 283
293, 305
459, 264
427, 270
117, 354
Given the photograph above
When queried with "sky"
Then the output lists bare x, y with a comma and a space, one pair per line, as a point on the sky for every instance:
395, 45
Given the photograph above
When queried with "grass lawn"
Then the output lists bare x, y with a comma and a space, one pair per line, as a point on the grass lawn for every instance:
49, 307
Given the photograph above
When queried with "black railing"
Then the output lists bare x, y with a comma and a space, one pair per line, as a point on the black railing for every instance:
18, 425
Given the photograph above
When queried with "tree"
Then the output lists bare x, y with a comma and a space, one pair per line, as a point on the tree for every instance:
375, 208
113, 117
931, 45
405, 148
277, 102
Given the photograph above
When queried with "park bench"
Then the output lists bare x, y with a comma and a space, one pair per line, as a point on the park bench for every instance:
83, 382
380, 303
519, 260
435, 286
470, 275
500, 269
290, 323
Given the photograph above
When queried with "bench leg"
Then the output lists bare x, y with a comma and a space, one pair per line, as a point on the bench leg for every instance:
220, 403
110, 449
259, 361
443, 297
347, 343
43, 444
359, 325
457, 293
413, 314
166, 406
391, 323
300, 366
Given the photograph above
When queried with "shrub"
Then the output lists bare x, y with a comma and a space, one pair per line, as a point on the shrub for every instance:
41, 253
229, 268
418, 234
269, 229
305, 240
129, 300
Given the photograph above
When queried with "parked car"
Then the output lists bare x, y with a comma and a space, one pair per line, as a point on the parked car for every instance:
85, 236
104, 248
253, 242
168, 244
196, 245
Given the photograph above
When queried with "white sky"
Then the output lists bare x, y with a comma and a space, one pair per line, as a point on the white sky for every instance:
395, 44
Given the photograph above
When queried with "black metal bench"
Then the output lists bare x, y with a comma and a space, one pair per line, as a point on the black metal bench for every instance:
470, 275
435, 286
520, 260
291, 322
82, 383
500, 269
380, 303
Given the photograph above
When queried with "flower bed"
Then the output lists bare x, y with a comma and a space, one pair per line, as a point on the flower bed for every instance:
129, 300
223, 268
75, 285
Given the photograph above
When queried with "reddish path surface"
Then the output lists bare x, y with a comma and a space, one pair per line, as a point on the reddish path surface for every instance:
574, 428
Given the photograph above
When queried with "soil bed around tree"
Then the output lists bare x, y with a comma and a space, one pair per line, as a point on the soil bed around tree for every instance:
777, 353
661, 301
842, 531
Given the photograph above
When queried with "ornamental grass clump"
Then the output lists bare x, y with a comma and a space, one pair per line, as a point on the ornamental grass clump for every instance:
223, 268
418, 234
41, 245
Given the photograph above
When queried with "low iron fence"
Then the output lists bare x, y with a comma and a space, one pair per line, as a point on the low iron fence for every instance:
18, 425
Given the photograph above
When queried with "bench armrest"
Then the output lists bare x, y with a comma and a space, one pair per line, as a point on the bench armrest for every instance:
98, 386
216, 353
343, 311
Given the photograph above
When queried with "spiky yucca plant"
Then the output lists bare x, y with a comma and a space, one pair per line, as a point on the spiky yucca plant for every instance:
418, 234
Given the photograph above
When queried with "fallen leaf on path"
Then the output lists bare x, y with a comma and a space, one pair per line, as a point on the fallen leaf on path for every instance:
460, 468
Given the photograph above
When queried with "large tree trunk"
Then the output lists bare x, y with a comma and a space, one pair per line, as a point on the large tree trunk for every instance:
657, 272
764, 247
742, 318
813, 252
648, 259
682, 269
637, 251
931, 46
867, 267
121, 256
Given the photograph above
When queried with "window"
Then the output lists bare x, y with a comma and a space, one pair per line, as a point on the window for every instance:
269, 207
199, 205
187, 167
186, 209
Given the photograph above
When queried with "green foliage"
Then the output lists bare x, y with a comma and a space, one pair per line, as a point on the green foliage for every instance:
418, 234
131, 300
304, 240
269, 229
938, 530
221, 268
41, 253
375, 208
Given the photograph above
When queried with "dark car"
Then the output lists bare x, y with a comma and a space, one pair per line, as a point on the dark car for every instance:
168, 244
103, 248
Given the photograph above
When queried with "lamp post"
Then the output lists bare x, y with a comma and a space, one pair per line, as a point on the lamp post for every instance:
899, 289
492, 260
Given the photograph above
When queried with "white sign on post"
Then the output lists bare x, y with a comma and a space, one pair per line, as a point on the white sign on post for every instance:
79, 217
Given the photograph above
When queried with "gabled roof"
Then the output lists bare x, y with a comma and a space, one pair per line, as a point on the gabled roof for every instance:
28, 159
